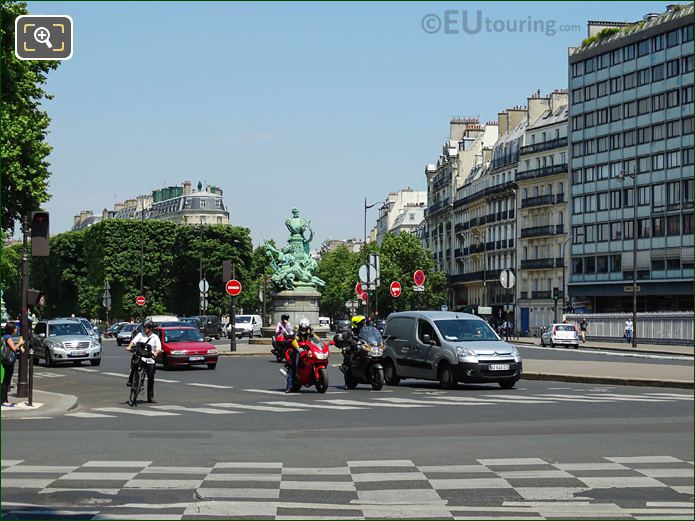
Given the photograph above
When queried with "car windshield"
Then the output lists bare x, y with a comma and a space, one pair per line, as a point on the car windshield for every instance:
462, 330
564, 327
371, 335
243, 320
128, 327
87, 324
66, 329
182, 335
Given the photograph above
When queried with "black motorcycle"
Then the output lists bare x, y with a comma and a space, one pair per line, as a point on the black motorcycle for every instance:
143, 353
362, 358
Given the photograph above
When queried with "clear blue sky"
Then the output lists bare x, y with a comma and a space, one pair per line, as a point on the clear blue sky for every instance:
281, 104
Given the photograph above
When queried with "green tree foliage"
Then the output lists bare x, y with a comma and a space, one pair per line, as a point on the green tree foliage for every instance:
248, 301
338, 268
11, 279
23, 148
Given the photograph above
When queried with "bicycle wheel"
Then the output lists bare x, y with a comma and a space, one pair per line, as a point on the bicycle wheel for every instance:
135, 387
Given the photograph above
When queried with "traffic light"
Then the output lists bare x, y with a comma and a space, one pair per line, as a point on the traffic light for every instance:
556, 293
39, 234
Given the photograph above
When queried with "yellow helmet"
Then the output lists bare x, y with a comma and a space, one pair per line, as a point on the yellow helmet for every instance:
358, 320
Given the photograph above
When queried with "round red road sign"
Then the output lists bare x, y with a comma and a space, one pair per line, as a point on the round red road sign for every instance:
140, 301
364, 296
395, 289
419, 278
233, 287
358, 289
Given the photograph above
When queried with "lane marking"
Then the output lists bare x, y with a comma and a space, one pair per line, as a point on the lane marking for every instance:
204, 410
137, 412
256, 407
89, 415
212, 386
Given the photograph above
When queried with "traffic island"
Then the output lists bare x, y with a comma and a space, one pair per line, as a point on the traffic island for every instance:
44, 405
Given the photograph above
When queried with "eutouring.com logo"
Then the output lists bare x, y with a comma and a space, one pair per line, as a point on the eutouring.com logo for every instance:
468, 22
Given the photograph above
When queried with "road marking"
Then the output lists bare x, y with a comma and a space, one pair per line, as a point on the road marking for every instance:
204, 410
176, 470
620, 482
372, 404
381, 463
164, 380
120, 464
316, 471
645, 459
89, 415
42, 469
212, 386
453, 468
117, 374
29, 483
86, 369
103, 491
433, 401
248, 465
256, 407
111, 476
462, 484
369, 477
137, 412
150, 484
239, 493
318, 485
512, 461
10, 462
534, 474
590, 466
667, 473
316, 406
243, 477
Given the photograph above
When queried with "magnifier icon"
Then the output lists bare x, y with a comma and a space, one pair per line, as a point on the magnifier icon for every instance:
42, 35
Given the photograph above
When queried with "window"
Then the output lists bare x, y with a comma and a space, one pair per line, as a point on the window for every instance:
672, 98
643, 76
687, 95
589, 147
643, 48
602, 61
602, 144
590, 203
673, 264
616, 168
658, 227
577, 123
588, 174
589, 92
644, 164
615, 263
616, 84
673, 159
589, 119
658, 42
687, 224
425, 328
616, 113
629, 109
658, 197
577, 96
602, 232
602, 89
615, 141
687, 126
658, 72
602, 264
577, 235
602, 201
658, 132
589, 65
589, 265
673, 225
643, 135
577, 176
687, 64
602, 172
629, 81
643, 106
643, 228
627, 230
577, 205
658, 162
616, 231
687, 156
658, 102
687, 193
672, 39
673, 194
629, 165
672, 68
629, 52
577, 149
602, 116
658, 265
577, 69
687, 33
577, 266
629, 138
628, 198
615, 200
643, 193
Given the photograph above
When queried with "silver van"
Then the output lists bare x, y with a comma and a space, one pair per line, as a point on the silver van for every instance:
449, 347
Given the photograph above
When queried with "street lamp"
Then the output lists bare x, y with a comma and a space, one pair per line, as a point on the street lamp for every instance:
142, 252
484, 239
622, 175
367, 207
564, 270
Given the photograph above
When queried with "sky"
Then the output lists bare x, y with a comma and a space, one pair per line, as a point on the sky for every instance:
314, 105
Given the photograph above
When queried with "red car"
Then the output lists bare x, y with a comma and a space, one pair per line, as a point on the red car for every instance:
185, 345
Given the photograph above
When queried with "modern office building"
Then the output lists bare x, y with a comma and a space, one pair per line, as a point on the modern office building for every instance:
631, 150
542, 181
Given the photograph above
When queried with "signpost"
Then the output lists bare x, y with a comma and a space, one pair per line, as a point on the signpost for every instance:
419, 278
233, 288
445, 308
395, 289
507, 280
140, 301
352, 305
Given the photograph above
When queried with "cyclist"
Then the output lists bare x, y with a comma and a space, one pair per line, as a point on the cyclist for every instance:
149, 338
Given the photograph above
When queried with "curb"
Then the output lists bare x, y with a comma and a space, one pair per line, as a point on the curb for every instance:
614, 380
598, 348
63, 404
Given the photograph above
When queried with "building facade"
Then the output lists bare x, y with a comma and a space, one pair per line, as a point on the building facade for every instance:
400, 212
541, 199
631, 150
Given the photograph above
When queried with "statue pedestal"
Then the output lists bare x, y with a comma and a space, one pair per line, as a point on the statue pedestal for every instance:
301, 302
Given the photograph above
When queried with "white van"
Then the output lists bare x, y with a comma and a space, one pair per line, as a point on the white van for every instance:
325, 322
158, 319
248, 325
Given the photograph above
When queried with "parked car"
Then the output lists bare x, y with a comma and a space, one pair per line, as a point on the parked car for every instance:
113, 329
560, 335
125, 333
325, 322
342, 326
64, 340
211, 325
193, 322
185, 346
449, 347
247, 325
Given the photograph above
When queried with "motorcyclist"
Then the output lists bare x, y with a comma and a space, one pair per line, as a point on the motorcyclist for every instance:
304, 333
283, 327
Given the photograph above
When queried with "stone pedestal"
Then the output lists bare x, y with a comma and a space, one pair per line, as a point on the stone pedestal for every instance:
301, 302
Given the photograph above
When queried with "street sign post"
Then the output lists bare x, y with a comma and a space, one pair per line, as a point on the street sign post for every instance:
140, 301
507, 280
445, 308
233, 287
418, 288
204, 303
203, 286
395, 289
419, 278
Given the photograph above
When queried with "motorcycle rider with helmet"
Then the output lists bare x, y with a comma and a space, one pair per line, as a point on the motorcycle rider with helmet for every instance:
283, 327
304, 333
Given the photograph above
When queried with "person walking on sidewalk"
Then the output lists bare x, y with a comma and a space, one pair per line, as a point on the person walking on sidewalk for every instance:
9, 355
583, 328
628, 330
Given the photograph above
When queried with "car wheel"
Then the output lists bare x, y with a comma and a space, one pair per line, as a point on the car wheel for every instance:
212, 366
507, 384
49, 359
36, 360
542, 342
95, 362
552, 344
390, 375
447, 380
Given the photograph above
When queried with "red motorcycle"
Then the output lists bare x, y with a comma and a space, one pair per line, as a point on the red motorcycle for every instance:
313, 361
281, 344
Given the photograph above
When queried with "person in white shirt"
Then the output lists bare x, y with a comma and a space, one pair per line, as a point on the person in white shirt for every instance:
628, 330
152, 340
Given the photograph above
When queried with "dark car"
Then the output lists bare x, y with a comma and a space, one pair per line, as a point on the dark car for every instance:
380, 325
211, 325
342, 326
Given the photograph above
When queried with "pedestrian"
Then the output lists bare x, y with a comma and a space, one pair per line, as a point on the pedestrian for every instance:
583, 328
9, 355
628, 330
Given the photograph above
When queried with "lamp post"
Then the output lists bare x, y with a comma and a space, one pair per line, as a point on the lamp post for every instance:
623, 174
200, 267
367, 207
142, 252
483, 237
564, 271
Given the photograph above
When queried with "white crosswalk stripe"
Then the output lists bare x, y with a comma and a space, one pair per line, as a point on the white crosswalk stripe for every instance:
204, 410
136, 411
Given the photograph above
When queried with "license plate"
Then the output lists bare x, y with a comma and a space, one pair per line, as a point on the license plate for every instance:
196, 358
78, 353
499, 367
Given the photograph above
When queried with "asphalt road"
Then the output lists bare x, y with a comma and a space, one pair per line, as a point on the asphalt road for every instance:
535, 451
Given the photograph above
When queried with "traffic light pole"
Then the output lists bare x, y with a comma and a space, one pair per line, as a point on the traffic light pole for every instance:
22, 376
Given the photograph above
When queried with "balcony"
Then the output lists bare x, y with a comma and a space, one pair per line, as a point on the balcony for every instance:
540, 231
459, 228
437, 207
503, 189
542, 172
476, 248
541, 295
545, 145
476, 221
542, 200
541, 264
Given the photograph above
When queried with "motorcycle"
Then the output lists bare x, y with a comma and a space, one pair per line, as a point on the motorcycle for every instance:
281, 344
313, 362
363, 359
143, 352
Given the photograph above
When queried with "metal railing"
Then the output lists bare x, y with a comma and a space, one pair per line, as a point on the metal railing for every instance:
539, 264
651, 328
542, 172
544, 145
539, 231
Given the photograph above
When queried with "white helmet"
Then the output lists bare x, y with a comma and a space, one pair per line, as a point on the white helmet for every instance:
304, 324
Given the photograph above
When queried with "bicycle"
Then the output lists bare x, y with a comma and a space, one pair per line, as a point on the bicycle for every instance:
144, 354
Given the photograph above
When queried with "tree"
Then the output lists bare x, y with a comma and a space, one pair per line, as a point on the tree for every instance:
338, 268
23, 148
11, 264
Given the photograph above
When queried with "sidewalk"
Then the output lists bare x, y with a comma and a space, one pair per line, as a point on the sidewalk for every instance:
44, 404
619, 346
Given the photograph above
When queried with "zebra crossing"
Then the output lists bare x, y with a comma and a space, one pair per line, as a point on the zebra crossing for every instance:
277, 402
509, 488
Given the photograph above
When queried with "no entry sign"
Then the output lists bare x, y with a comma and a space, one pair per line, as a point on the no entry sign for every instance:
358, 289
419, 278
395, 289
140, 301
233, 287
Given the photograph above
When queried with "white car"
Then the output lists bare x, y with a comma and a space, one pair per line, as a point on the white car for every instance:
560, 335
246, 325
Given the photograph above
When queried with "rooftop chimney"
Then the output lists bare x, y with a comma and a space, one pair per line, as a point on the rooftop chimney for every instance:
536, 107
